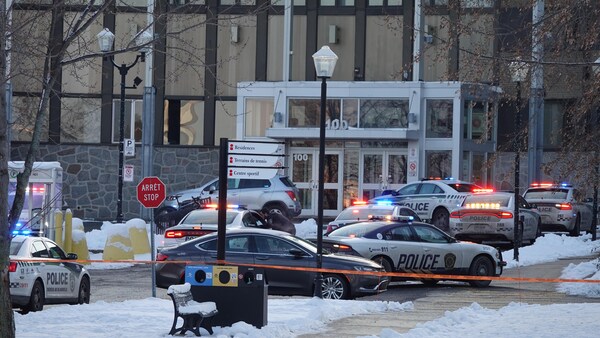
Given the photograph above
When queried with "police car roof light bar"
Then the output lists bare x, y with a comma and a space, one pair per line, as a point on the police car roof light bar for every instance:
359, 203
483, 190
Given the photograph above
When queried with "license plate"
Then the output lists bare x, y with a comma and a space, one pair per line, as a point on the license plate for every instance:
479, 227
545, 209
189, 238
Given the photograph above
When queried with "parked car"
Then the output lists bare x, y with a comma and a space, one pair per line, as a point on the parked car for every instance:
561, 206
402, 245
40, 273
204, 221
431, 199
363, 211
277, 193
276, 249
490, 217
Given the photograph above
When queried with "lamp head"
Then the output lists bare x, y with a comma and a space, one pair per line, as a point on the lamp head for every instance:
518, 70
325, 60
106, 38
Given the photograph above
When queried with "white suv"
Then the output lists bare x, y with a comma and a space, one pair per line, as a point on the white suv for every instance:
277, 193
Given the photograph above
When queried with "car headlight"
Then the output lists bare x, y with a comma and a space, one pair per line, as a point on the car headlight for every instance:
364, 268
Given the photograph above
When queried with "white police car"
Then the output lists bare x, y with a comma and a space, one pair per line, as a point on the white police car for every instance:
402, 245
561, 206
362, 211
489, 217
40, 273
431, 199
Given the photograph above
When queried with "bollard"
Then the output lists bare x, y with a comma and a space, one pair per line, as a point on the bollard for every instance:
138, 234
68, 236
79, 245
58, 223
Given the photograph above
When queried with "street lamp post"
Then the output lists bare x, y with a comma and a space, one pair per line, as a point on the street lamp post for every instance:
106, 39
518, 70
596, 69
324, 60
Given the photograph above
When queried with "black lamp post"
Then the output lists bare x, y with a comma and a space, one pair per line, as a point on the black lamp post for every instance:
518, 71
596, 70
106, 39
325, 60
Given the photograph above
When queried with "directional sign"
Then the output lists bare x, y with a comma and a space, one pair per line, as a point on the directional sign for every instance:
256, 148
252, 173
255, 161
151, 192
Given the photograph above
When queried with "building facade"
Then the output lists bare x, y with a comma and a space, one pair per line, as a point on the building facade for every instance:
210, 53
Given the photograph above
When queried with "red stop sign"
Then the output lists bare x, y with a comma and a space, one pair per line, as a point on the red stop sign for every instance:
151, 192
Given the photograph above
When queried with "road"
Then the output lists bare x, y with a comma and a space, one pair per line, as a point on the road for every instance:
429, 302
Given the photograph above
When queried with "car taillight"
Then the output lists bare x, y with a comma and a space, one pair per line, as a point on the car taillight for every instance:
343, 248
564, 206
12, 267
506, 214
291, 194
161, 257
456, 214
174, 234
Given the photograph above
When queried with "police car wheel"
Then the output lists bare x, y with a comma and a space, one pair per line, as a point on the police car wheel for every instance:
37, 299
334, 287
576, 228
481, 266
84, 291
441, 219
387, 266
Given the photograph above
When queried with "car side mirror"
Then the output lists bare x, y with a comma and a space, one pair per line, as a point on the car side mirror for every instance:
211, 189
72, 256
296, 252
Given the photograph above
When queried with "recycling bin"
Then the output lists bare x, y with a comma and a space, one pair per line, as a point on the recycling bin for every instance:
240, 293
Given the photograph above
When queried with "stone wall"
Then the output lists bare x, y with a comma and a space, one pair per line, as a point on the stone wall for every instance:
90, 180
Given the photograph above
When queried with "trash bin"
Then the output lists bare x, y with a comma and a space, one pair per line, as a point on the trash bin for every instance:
240, 293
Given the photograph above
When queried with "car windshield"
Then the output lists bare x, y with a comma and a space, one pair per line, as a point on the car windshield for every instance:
553, 194
362, 213
352, 230
464, 187
482, 201
208, 217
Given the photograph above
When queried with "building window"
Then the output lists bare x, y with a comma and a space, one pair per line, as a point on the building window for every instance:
349, 116
553, 124
478, 121
258, 116
385, 3
438, 164
183, 122
439, 119
384, 113
282, 3
23, 119
80, 120
133, 112
238, 2
305, 113
340, 3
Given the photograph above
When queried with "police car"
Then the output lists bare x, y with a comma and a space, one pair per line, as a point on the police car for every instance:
362, 211
489, 216
40, 273
401, 245
204, 221
561, 206
431, 199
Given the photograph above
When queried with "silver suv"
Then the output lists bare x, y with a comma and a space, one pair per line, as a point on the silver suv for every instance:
277, 193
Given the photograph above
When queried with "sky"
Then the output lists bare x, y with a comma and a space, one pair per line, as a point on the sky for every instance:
293, 316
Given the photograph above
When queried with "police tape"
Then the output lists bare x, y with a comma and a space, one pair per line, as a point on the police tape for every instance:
399, 275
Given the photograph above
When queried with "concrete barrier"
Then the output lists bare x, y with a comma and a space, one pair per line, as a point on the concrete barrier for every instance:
138, 234
68, 236
79, 245
118, 245
58, 223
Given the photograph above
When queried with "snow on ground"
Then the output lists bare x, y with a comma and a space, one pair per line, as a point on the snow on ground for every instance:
289, 317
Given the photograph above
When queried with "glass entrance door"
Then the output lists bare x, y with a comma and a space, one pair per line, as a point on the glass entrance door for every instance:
305, 174
381, 170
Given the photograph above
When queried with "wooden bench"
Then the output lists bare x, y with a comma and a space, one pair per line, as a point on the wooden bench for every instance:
194, 314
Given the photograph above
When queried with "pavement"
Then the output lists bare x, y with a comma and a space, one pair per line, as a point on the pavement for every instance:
437, 300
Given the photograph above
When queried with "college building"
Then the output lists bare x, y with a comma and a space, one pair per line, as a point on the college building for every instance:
420, 89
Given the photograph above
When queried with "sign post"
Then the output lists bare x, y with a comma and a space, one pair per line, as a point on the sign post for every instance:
151, 193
